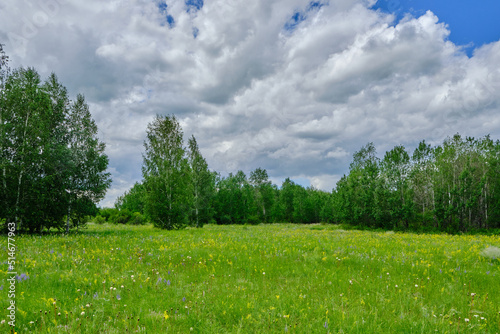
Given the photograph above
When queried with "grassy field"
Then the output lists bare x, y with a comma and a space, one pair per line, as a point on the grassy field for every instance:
255, 279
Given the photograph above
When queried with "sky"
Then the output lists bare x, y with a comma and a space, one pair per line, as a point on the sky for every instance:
292, 86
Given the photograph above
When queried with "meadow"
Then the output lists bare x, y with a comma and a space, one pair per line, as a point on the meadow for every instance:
255, 279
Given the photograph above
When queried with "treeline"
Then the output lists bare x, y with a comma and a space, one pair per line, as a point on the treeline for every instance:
179, 190
52, 165
454, 187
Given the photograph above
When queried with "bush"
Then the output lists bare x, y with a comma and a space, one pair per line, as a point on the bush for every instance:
107, 213
121, 217
99, 220
137, 219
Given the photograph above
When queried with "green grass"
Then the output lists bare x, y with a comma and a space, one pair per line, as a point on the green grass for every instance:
254, 279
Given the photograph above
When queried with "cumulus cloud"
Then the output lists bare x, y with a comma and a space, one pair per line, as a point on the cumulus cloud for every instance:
292, 86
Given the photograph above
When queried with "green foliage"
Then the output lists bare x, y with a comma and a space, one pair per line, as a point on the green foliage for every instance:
132, 200
166, 175
99, 220
451, 188
52, 164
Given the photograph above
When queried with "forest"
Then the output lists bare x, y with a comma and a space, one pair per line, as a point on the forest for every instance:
453, 187
53, 175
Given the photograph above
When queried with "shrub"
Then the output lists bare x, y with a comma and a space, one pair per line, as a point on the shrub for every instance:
137, 219
99, 220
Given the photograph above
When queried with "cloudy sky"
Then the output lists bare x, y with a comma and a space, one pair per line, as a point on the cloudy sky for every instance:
292, 86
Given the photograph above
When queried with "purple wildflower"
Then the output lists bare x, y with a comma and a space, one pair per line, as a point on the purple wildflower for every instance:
23, 277
168, 282
118, 297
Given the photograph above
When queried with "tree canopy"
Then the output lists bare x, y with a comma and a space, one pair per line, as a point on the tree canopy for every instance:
52, 163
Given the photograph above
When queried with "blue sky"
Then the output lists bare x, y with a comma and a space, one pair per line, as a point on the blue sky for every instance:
469, 21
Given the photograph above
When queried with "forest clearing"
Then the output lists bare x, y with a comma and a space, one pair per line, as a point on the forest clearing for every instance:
254, 279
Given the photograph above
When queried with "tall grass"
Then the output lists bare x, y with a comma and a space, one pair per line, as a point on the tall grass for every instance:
255, 279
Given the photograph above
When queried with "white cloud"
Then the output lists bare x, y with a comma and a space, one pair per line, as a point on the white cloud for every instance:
295, 102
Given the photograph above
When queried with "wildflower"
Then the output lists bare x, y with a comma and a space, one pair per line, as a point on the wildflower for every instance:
83, 313
23, 277
472, 294
118, 297
165, 315
168, 282
2, 322
326, 324
122, 286
95, 295
416, 285
466, 319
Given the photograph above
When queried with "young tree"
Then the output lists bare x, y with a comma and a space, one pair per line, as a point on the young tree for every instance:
264, 192
88, 180
202, 185
166, 174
